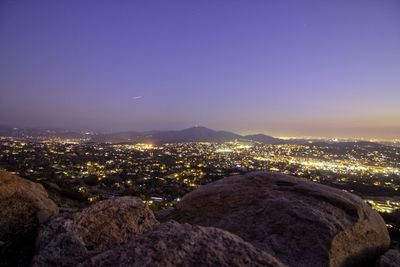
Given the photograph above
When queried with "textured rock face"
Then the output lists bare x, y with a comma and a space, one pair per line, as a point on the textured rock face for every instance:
164, 214
22, 202
390, 259
70, 238
23, 206
173, 244
299, 222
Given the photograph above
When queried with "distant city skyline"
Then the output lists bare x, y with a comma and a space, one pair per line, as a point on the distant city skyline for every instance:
282, 68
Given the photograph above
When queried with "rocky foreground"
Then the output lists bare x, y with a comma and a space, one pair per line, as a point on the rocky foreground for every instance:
259, 219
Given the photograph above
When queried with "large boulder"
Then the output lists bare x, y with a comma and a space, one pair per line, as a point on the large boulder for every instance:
173, 244
22, 202
23, 206
390, 259
299, 222
71, 237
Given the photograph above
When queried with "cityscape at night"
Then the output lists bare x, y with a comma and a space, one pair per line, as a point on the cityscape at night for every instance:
85, 171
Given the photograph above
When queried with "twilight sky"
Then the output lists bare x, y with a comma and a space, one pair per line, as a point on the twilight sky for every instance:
315, 68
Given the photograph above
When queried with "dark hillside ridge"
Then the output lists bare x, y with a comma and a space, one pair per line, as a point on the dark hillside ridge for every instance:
194, 134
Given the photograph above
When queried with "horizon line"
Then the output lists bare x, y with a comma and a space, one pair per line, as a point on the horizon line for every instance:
283, 136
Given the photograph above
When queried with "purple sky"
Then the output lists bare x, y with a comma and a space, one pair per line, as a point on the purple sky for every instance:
318, 68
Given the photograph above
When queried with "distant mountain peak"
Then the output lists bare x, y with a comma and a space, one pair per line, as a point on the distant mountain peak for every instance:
198, 127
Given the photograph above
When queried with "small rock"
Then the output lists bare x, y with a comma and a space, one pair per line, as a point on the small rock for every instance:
390, 259
164, 214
